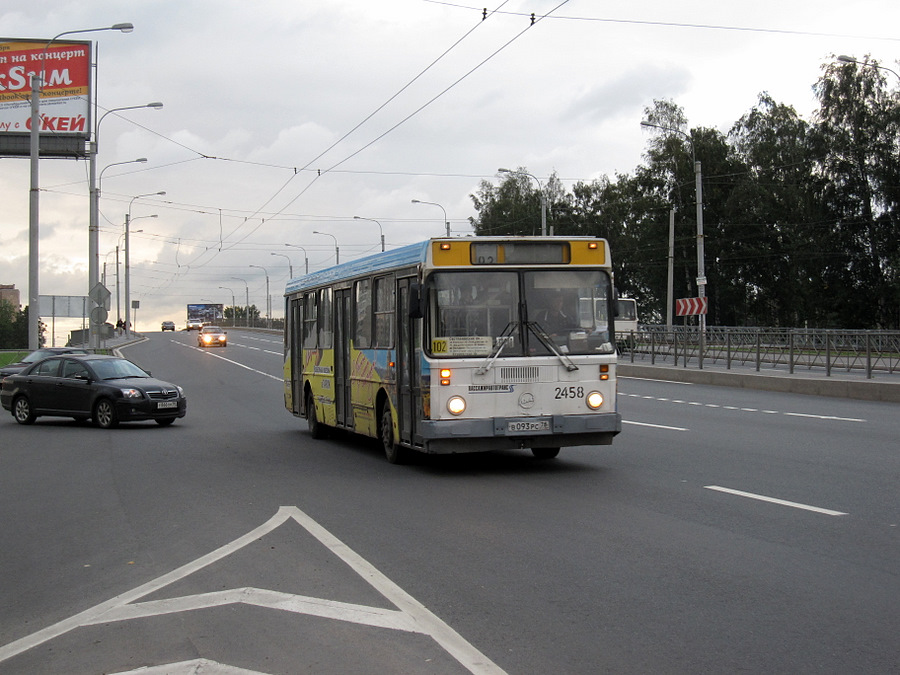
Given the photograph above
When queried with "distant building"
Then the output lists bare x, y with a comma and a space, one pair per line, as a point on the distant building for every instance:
10, 294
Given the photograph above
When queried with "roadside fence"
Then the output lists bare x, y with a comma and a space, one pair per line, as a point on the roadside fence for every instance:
851, 351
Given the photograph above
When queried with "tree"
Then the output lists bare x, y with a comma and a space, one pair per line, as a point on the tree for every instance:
14, 327
857, 129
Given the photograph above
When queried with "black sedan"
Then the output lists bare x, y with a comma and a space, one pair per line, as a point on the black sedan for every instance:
36, 356
107, 389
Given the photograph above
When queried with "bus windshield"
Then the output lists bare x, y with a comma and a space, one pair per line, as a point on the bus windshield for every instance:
529, 312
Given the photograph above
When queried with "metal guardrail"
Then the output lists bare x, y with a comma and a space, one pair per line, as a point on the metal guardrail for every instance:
868, 351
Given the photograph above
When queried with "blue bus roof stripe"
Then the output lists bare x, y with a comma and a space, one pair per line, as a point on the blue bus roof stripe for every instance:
404, 256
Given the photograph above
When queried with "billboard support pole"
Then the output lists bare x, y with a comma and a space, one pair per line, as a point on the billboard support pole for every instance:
34, 201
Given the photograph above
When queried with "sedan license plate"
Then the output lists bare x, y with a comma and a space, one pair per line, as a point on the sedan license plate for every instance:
519, 426
166, 404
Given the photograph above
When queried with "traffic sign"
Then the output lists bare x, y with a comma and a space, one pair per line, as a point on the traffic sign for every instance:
691, 306
99, 315
100, 294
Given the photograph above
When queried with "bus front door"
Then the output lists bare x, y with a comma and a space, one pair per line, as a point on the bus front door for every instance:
342, 365
409, 392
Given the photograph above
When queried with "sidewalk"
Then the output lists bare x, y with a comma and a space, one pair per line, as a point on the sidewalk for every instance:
841, 384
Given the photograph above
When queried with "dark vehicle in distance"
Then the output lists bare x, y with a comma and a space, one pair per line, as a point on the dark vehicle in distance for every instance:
212, 336
35, 356
168, 325
106, 389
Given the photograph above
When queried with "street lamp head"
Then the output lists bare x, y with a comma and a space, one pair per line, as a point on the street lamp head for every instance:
155, 104
140, 160
846, 59
124, 27
504, 171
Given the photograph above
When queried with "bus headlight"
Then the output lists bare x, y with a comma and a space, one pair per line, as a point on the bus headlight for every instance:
594, 400
456, 405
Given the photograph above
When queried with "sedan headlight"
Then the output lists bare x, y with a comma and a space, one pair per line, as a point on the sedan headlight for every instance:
132, 393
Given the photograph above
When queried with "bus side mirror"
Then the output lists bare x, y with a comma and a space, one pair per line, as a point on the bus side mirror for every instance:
416, 301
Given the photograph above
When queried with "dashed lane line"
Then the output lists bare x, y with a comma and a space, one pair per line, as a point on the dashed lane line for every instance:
760, 411
774, 500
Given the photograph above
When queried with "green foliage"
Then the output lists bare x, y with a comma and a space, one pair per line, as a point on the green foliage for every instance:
13, 327
800, 218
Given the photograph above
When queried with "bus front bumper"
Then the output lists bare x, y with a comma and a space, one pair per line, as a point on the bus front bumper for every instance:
479, 435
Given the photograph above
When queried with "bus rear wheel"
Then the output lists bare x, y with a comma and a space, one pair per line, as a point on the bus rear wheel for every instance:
545, 453
395, 453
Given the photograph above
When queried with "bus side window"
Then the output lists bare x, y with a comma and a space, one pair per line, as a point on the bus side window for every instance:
310, 317
363, 314
384, 312
325, 319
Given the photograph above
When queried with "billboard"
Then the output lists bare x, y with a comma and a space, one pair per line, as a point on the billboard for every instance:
65, 98
207, 313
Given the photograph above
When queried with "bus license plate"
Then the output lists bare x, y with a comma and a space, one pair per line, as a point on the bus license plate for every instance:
529, 425
166, 404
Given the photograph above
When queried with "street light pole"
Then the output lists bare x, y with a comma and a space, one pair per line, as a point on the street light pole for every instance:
446, 222
94, 216
93, 244
225, 288
849, 59
268, 308
540, 191
128, 261
337, 252
380, 229
247, 301
305, 256
290, 264
34, 259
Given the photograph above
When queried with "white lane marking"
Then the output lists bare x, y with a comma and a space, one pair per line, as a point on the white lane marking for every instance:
192, 667
773, 500
415, 616
654, 426
650, 379
219, 356
825, 417
256, 349
832, 418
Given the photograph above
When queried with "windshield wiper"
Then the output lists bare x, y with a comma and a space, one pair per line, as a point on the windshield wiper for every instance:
547, 341
504, 339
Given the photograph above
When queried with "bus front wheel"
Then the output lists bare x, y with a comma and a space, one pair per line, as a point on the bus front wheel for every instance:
394, 452
316, 428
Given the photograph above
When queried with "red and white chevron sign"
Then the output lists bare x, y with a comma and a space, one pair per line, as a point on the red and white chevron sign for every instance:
691, 306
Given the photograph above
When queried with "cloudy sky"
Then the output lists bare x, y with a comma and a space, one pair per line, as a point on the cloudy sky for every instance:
282, 118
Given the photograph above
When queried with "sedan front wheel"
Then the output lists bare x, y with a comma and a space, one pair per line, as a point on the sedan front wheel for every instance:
105, 415
22, 411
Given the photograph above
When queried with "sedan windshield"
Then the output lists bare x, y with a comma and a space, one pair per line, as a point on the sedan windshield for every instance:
114, 369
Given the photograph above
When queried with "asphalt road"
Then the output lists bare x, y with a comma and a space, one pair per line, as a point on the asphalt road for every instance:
724, 530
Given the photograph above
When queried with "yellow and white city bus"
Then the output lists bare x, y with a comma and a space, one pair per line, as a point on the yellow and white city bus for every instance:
458, 345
